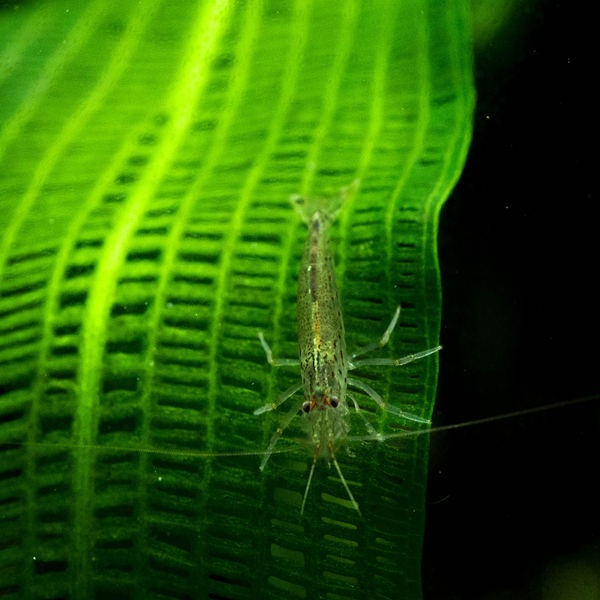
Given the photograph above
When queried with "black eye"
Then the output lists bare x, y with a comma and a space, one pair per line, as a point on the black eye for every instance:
334, 402
306, 406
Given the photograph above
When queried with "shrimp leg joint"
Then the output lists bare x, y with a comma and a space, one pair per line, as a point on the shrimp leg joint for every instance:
324, 362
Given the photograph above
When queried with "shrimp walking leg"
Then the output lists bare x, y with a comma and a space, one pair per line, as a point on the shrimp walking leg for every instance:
368, 425
276, 362
384, 338
382, 404
273, 405
286, 421
392, 362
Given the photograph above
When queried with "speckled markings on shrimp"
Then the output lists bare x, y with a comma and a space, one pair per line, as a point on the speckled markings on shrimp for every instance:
324, 362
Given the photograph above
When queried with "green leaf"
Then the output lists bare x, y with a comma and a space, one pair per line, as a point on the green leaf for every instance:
147, 152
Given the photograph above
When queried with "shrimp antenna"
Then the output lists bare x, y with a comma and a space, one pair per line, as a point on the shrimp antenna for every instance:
337, 466
312, 470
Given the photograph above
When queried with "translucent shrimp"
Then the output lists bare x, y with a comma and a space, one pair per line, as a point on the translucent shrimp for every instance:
324, 362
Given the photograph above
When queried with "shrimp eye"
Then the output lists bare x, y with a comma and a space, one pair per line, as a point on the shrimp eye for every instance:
334, 402
306, 406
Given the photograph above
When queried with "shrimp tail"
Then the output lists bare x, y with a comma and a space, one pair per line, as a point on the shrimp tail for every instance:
327, 208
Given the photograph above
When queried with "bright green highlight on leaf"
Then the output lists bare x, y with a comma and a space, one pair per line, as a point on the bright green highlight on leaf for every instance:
147, 154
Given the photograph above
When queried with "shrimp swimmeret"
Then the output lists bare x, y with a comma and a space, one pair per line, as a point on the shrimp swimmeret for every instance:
323, 362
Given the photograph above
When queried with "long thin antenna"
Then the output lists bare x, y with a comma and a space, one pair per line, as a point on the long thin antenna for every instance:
382, 437
105, 448
300, 444
335, 462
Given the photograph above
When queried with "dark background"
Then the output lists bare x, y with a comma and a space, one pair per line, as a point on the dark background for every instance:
510, 501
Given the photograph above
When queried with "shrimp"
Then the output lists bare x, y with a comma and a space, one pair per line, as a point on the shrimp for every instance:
323, 360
